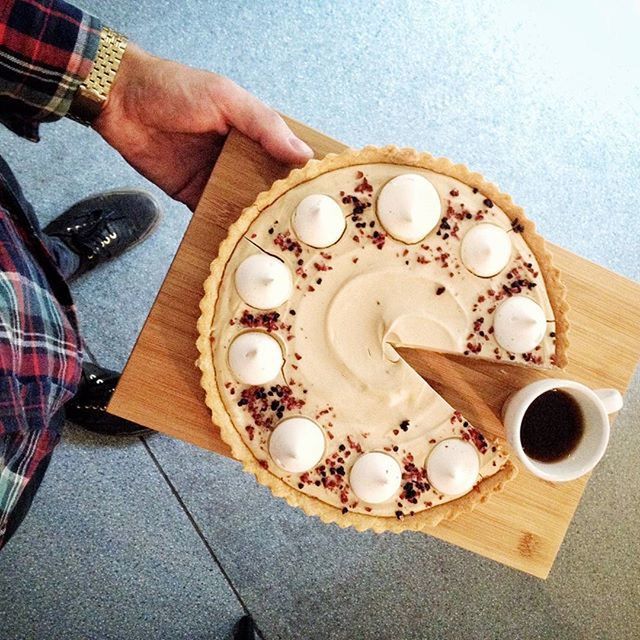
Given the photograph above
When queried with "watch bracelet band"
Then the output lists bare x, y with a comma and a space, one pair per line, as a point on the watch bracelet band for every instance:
92, 93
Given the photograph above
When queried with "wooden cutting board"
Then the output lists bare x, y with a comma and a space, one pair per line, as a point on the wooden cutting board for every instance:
524, 526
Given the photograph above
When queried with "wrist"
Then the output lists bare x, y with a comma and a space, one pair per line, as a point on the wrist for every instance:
127, 88
129, 73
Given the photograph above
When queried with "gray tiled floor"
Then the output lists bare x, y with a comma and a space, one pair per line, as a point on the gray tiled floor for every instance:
543, 98
109, 553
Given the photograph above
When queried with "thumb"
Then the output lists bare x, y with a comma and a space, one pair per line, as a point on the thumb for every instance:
262, 124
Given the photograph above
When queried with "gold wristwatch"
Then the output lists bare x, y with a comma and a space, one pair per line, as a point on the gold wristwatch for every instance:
92, 93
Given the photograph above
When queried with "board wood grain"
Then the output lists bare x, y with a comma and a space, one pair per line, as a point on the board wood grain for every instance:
522, 527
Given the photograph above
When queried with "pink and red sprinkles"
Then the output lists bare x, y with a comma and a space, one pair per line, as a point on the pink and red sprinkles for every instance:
363, 186
270, 321
533, 358
377, 238
442, 257
469, 433
358, 207
516, 282
445, 229
414, 480
354, 445
266, 406
287, 243
332, 474
477, 438
517, 226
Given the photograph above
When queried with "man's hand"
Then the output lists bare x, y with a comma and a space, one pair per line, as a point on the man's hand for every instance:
169, 121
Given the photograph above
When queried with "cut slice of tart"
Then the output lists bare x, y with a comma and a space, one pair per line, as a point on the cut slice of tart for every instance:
315, 286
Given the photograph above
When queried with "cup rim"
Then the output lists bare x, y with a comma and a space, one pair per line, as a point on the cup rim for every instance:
515, 426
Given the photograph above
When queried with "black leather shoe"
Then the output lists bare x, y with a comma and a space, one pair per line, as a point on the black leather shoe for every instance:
245, 629
88, 409
104, 226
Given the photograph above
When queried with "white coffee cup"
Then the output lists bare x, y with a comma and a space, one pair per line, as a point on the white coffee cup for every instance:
596, 405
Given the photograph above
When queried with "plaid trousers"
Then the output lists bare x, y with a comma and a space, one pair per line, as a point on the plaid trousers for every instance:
27, 445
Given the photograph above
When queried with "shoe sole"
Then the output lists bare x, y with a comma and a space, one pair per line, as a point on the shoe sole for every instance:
143, 431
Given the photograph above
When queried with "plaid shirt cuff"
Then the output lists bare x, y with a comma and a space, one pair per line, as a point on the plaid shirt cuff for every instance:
47, 48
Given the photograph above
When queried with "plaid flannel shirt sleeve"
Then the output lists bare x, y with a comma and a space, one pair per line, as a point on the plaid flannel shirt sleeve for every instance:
47, 48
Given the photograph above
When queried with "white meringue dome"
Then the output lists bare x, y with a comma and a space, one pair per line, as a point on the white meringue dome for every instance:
453, 467
263, 282
375, 477
255, 357
297, 444
485, 249
319, 221
519, 324
409, 207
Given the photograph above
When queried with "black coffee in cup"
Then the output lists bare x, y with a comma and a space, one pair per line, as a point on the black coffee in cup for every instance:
552, 426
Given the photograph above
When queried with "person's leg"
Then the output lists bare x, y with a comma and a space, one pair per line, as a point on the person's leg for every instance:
102, 227
65, 260
41, 353
40, 344
14, 452
91, 232
24, 502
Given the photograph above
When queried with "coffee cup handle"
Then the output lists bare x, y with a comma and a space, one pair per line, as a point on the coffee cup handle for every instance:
611, 399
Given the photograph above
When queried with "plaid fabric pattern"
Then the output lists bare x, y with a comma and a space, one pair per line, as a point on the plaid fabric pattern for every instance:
40, 348
20, 456
40, 364
47, 48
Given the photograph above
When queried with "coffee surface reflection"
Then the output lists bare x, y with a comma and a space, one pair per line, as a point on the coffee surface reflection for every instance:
552, 426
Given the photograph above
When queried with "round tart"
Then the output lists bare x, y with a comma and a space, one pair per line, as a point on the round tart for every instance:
428, 256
